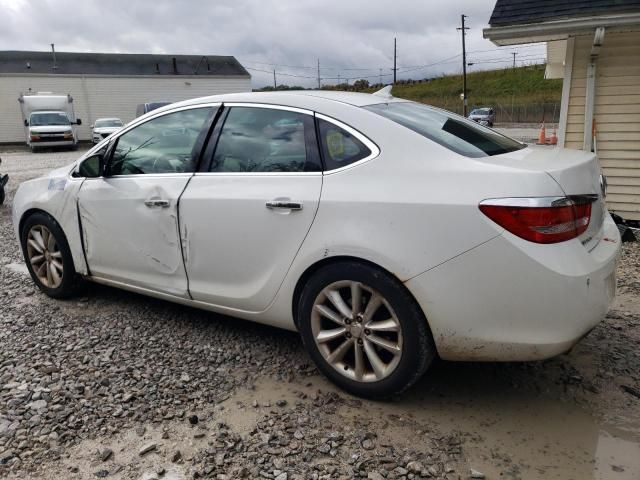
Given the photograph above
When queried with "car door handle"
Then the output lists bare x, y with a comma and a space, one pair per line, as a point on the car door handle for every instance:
284, 205
157, 203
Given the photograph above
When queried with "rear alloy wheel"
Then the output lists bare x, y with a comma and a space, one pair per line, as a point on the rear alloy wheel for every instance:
48, 257
356, 331
364, 330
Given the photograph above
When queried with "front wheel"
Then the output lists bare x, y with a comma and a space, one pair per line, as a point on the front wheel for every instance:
48, 256
364, 330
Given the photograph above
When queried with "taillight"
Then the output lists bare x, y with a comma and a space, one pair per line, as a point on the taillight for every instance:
35, 138
541, 220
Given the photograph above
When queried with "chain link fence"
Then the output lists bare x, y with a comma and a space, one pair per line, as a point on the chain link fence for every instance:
513, 113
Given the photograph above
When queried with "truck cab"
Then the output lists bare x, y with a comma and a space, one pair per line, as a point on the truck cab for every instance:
50, 129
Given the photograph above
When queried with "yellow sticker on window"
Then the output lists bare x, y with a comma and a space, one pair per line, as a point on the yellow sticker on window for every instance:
335, 144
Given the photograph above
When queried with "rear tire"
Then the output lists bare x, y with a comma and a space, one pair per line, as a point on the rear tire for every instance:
376, 348
48, 257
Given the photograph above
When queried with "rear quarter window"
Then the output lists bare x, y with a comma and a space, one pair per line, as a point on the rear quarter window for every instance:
339, 147
447, 129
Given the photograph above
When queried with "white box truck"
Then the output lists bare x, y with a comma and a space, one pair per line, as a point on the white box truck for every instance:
49, 120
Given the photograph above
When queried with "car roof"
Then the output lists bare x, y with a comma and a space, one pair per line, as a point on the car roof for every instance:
107, 118
293, 98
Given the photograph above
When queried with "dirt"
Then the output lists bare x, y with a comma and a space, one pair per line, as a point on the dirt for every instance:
576, 416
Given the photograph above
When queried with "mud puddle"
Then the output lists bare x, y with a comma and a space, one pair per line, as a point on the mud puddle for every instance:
507, 433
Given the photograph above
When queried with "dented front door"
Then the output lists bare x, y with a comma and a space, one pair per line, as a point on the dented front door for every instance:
129, 217
130, 230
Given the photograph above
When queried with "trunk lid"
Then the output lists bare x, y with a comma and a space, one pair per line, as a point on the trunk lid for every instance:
576, 172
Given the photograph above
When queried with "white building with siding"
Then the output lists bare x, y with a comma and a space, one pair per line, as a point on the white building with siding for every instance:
595, 48
110, 85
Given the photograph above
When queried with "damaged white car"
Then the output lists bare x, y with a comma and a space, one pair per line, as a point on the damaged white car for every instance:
385, 231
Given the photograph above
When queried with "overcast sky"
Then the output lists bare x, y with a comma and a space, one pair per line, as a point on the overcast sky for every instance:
351, 38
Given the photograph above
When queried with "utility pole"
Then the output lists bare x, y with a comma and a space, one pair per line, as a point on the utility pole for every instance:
395, 58
514, 59
53, 50
464, 66
319, 74
275, 84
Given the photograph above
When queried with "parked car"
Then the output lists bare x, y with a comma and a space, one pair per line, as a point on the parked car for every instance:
3, 181
386, 232
103, 127
143, 108
484, 116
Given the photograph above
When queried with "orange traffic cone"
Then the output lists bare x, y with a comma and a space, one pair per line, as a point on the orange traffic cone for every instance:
554, 138
542, 138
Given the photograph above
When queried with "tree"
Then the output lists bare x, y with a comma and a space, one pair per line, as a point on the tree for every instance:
361, 84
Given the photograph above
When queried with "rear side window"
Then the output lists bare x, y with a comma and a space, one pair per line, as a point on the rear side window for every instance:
256, 140
451, 131
339, 147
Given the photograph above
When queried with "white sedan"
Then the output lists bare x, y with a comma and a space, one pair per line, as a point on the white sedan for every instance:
103, 127
386, 232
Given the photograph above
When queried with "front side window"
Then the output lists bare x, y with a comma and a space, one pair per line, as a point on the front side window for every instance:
256, 140
451, 131
339, 147
166, 144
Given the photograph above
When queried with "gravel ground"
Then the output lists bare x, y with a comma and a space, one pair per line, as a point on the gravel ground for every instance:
121, 386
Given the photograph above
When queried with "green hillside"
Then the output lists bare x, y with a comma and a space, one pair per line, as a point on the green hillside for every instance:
506, 87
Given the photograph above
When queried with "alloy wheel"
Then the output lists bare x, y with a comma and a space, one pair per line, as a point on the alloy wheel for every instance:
45, 256
356, 331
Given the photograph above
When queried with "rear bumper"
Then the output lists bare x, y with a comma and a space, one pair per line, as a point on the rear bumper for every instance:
513, 300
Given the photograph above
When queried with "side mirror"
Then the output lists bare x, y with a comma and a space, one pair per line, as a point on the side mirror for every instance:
78, 121
91, 167
26, 123
90, 126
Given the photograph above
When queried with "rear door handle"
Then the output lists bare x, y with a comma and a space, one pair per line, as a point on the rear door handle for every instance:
284, 205
157, 203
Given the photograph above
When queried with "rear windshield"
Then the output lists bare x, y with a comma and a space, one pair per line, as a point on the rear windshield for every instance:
108, 123
449, 130
480, 111
154, 105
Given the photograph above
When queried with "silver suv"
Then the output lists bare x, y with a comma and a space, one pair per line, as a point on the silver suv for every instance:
484, 116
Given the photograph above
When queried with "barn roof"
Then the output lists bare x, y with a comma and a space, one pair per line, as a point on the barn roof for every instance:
118, 64
518, 12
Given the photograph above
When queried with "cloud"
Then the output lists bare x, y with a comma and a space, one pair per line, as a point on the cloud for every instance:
351, 38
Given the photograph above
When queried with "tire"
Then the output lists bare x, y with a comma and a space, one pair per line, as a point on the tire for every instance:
34, 149
412, 342
1, 195
56, 282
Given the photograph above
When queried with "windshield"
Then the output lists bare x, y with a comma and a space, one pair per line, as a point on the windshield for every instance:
108, 123
449, 130
480, 111
49, 118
